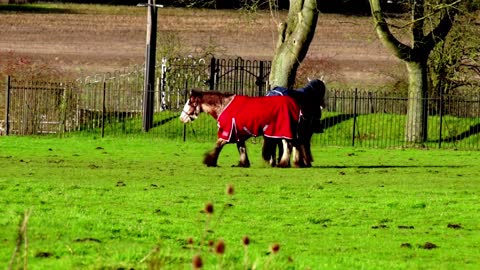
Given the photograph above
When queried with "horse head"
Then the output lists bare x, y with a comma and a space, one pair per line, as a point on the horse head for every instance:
192, 107
313, 100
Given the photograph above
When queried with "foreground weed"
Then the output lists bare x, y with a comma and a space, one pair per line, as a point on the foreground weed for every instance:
21, 239
219, 248
208, 250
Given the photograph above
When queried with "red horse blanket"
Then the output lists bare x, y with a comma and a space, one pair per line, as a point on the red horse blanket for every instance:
275, 117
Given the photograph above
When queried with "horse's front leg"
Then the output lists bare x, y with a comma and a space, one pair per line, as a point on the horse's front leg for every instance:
302, 154
242, 150
306, 143
297, 156
211, 158
287, 150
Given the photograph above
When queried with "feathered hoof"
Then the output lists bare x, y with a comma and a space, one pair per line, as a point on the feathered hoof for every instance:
210, 161
244, 165
283, 165
302, 165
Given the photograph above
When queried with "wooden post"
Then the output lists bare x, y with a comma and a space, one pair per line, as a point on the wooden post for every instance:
211, 80
260, 80
103, 107
150, 59
7, 107
354, 117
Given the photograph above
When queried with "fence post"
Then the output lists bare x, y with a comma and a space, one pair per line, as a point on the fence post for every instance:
211, 80
7, 107
163, 81
441, 120
354, 117
103, 108
185, 101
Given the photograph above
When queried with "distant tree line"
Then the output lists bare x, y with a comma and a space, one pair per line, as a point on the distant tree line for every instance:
359, 7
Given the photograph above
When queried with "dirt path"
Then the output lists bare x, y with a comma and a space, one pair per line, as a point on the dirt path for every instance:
344, 49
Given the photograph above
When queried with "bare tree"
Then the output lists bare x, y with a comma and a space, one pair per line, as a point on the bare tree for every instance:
454, 64
430, 22
295, 36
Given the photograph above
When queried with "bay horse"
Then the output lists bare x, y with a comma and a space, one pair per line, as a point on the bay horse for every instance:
241, 117
311, 100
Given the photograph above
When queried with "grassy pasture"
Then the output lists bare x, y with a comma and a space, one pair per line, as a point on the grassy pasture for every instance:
133, 202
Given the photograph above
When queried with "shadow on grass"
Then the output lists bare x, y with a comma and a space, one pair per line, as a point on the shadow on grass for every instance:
335, 120
164, 121
388, 166
29, 8
473, 130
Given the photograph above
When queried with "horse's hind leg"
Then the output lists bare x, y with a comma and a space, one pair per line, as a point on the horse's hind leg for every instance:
285, 159
306, 154
301, 157
211, 158
242, 150
268, 151
308, 158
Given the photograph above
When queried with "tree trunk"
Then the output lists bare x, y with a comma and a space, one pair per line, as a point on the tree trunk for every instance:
415, 56
417, 115
295, 35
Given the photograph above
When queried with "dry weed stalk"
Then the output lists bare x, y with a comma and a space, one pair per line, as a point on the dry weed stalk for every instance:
154, 250
218, 247
21, 238
245, 242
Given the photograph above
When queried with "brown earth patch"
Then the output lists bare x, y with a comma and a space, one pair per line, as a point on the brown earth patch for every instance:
345, 49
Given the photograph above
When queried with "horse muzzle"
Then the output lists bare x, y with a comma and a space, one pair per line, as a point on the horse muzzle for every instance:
185, 118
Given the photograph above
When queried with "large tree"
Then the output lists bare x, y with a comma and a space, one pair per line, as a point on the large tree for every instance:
429, 24
295, 36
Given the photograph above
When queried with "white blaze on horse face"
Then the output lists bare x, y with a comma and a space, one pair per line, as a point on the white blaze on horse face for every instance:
184, 117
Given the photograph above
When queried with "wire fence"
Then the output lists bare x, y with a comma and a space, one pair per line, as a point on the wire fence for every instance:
111, 105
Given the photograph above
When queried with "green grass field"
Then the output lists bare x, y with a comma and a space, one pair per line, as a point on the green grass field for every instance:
133, 203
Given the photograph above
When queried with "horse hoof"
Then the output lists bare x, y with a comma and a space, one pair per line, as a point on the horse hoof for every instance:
283, 165
244, 165
210, 163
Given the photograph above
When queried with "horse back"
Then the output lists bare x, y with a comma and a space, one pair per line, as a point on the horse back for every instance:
275, 117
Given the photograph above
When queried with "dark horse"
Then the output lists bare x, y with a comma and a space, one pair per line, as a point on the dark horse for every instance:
311, 100
241, 117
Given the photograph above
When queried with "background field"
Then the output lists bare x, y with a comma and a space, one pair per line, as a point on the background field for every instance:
83, 39
123, 203
107, 204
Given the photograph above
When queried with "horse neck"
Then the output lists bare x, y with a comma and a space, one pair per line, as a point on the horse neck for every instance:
215, 104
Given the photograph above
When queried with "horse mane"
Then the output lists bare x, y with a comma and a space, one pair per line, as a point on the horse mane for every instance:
212, 97
212, 102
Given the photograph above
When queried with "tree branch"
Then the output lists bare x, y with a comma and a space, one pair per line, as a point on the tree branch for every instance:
399, 49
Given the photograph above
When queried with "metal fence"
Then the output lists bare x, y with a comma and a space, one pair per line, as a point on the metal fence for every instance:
111, 105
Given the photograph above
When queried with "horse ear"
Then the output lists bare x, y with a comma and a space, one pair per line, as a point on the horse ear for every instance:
194, 92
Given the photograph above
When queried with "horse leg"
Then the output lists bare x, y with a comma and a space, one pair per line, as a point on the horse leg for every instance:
287, 150
308, 158
302, 154
297, 156
242, 150
279, 145
268, 151
306, 144
211, 157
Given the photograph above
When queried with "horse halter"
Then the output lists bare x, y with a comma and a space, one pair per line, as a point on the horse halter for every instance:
189, 112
